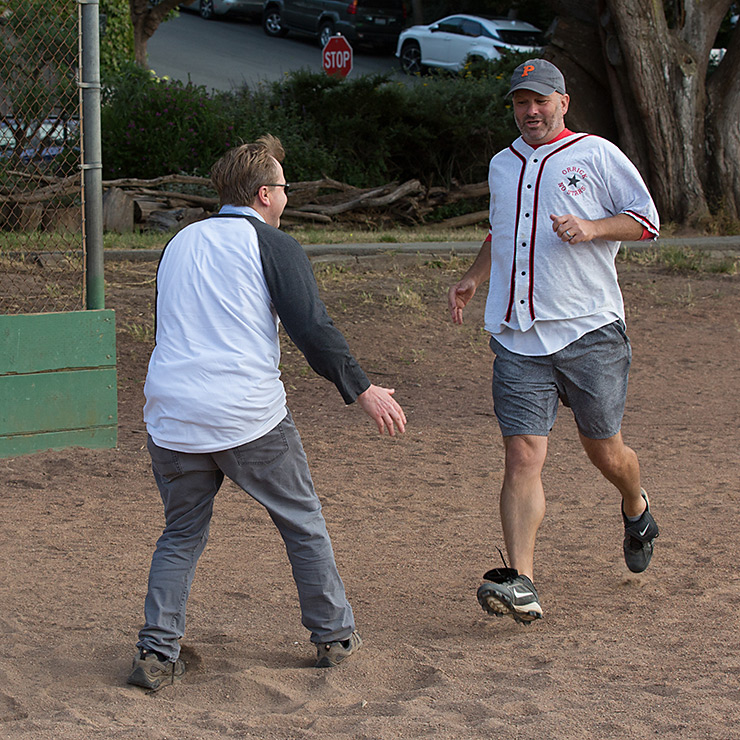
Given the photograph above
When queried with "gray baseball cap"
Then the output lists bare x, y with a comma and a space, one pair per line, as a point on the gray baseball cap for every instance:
538, 75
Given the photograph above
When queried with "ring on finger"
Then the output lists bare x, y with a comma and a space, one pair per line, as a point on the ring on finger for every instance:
568, 234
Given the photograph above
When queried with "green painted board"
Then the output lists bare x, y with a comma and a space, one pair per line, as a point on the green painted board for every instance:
52, 402
24, 444
57, 381
57, 341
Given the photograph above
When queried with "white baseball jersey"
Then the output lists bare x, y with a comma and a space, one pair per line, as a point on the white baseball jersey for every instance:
545, 293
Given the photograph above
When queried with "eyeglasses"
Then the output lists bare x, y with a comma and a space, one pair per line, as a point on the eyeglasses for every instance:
284, 185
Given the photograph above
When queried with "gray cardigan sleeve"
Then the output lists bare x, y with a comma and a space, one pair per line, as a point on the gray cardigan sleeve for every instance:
295, 297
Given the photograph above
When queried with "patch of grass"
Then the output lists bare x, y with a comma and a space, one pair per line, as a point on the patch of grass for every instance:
140, 331
678, 259
682, 260
725, 266
320, 235
453, 263
395, 235
135, 240
407, 298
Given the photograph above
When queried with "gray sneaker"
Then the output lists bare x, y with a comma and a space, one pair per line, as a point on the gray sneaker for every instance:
330, 654
510, 594
151, 672
638, 539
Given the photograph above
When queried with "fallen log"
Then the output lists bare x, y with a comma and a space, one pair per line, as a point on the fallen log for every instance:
118, 211
342, 207
133, 182
307, 216
200, 200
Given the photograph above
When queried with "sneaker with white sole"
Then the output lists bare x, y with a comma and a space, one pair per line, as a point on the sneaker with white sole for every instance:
152, 671
330, 654
510, 594
638, 539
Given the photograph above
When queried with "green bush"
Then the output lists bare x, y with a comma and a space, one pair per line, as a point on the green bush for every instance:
364, 131
117, 37
154, 127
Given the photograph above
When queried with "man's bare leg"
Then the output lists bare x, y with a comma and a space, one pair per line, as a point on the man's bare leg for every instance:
619, 465
522, 503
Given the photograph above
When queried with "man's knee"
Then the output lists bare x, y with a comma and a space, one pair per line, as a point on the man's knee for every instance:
525, 455
608, 455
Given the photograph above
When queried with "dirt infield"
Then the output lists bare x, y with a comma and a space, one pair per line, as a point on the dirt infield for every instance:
415, 524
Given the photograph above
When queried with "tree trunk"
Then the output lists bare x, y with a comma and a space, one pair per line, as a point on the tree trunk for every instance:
417, 12
657, 75
723, 132
146, 20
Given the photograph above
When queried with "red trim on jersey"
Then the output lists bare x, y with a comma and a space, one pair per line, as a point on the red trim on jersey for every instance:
649, 230
565, 132
512, 281
535, 207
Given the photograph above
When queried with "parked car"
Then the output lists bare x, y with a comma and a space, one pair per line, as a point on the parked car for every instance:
368, 22
451, 42
42, 141
212, 8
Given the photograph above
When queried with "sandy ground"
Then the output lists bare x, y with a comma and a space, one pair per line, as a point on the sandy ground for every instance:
415, 524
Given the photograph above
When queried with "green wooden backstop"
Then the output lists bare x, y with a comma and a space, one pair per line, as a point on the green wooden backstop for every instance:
57, 381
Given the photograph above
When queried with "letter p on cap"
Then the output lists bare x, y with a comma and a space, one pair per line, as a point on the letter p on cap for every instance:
529, 68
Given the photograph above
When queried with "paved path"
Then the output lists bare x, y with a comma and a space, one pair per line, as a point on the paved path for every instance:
718, 246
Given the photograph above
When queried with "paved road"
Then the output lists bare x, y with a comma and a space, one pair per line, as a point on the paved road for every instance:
224, 54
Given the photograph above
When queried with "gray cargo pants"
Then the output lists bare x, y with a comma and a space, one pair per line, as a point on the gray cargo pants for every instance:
274, 471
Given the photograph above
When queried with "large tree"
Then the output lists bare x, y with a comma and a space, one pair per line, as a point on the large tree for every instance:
669, 107
146, 15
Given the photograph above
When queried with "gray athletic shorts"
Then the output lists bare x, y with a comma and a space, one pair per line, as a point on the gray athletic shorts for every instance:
589, 375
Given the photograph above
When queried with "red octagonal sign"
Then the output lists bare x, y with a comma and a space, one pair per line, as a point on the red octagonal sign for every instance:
336, 58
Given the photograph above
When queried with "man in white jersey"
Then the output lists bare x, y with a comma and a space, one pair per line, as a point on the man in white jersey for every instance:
215, 404
561, 204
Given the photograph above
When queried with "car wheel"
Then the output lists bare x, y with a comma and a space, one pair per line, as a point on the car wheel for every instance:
410, 58
326, 31
272, 22
206, 9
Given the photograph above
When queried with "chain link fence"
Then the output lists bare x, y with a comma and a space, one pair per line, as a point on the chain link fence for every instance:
42, 264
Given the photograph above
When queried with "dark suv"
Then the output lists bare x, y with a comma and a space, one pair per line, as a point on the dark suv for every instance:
368, 22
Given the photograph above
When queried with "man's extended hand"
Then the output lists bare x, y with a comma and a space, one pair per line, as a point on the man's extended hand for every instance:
458, 296
378, 403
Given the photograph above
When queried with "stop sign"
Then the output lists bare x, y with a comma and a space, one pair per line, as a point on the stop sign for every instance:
336, 58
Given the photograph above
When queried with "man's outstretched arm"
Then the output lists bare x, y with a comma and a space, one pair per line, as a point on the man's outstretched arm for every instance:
459, 295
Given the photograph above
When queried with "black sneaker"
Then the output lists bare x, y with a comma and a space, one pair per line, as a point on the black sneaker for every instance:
153, 671
330, 654
638, 539
510, 593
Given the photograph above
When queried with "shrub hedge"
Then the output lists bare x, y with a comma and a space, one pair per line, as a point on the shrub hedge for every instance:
363, 131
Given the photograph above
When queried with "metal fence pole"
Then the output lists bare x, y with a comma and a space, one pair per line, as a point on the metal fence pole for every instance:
92, 160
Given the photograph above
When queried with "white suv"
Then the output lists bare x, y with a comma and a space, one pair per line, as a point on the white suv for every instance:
451, 42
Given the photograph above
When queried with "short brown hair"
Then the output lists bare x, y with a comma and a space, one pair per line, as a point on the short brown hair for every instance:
240, 173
